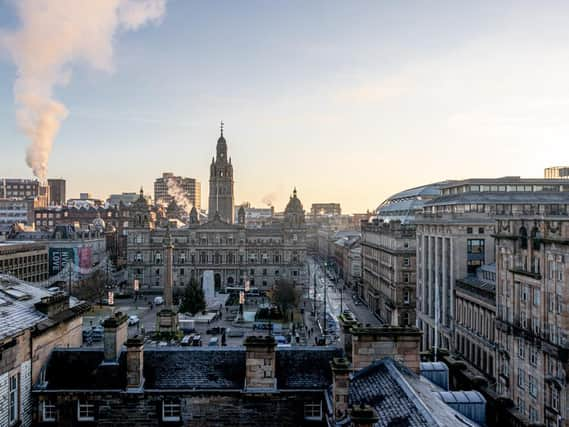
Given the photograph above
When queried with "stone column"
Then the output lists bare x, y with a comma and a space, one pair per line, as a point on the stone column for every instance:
169, 273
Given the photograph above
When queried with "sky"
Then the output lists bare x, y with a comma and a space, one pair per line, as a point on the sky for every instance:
349, 101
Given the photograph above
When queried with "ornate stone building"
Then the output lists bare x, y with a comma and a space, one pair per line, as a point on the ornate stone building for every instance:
221, 198
532, 254
234, 252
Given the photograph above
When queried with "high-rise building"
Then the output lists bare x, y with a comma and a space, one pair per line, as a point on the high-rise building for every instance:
28, 189
56, 191
556, 172
171, 187
221, 197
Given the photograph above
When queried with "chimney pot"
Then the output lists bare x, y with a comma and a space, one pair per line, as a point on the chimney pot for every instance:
115, 334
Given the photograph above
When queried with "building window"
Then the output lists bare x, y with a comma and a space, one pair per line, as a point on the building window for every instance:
521, 378
313, 411
532, 386
406, 262
171, 410
48, 411
481, 230
468, 230
406, 297
13, 396
85, 411
532, 414
554, 398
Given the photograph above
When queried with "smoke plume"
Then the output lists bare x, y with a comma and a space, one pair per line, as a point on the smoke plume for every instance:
52, 37
268, 199
179, 195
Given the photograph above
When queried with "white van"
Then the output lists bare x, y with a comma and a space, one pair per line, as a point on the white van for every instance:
158, 301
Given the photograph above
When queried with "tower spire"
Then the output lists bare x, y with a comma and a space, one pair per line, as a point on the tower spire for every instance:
221, 127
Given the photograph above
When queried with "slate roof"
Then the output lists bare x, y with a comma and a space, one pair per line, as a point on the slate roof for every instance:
188, 368
378, 386
18, 312
305, 367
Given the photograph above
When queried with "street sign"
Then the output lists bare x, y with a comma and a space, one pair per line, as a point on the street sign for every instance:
111, 298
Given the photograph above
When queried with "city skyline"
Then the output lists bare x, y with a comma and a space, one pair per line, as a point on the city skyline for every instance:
347, 116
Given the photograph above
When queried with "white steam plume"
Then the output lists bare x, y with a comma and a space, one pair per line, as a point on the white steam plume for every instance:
179, 195
53, 35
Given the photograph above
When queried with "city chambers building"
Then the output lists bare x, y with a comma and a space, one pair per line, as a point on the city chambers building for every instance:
234, 253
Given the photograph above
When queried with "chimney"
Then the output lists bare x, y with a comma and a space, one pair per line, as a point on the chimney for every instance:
375, 343
340, 386
260, 363
114, 336
363, 416
134, 363
53, 304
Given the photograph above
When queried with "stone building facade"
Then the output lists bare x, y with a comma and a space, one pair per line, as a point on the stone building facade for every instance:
221, 197
454, 238
33, 323
233, 252
388, 270
532, 322
475, 317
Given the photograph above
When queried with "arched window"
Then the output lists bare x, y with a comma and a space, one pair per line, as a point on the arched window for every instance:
535, 238
523, 238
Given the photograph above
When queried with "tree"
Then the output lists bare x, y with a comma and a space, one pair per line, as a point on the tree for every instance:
193, 300
285, 296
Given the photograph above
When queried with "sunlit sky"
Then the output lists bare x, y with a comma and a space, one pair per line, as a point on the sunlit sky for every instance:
349, 101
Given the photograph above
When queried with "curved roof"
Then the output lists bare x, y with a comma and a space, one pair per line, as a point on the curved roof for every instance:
404, 204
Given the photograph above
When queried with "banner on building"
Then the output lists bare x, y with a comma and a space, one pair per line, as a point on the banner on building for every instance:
85, 257
59, 258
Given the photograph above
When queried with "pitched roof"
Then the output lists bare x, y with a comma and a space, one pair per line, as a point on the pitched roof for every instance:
183, 368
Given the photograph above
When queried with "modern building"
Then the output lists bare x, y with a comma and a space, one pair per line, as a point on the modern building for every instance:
16, 211
184, 190
556, 172
325, 209
221, 196
57, 194
532, 326
33, 323
454, 235
66, 244
25, 260
18, 188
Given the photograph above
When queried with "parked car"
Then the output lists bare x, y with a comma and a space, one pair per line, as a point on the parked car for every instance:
213, 342
196, 341
53, 289
133, 320
186, 341
215, 330
158, 300
280, 339
235, 333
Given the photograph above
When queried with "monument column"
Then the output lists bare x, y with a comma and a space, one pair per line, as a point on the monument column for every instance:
169, 274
